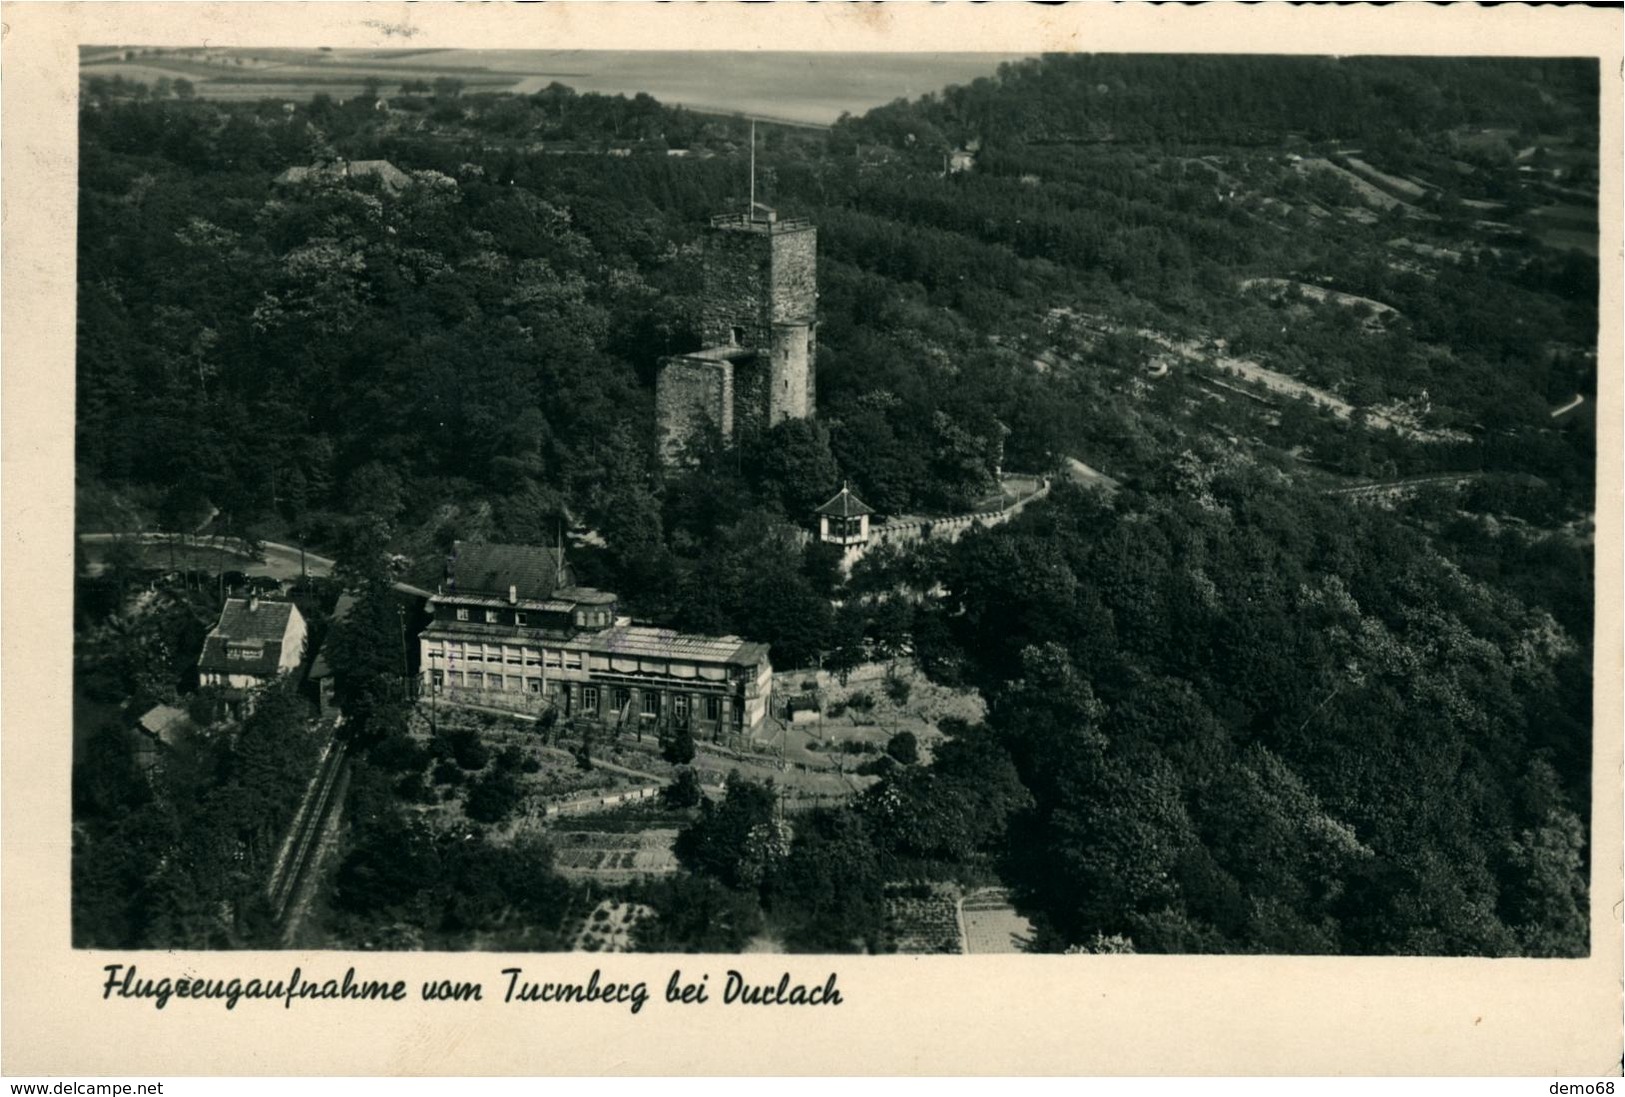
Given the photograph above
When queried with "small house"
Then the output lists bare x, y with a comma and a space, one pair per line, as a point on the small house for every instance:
844, 520
255, 643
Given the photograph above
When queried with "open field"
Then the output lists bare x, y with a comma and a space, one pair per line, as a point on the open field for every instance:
1565, 226
1318, 293
802, 88
1369, 192
1392, 183
1569, 239
1195, 353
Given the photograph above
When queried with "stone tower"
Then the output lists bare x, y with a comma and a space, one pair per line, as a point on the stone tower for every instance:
758, 323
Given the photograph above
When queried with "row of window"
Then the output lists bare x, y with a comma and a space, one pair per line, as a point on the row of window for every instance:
553, 658
456, 653
592, 618
218, 678
492, 616
588, 698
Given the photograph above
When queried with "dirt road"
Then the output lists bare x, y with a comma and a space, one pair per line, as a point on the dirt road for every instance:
277, 560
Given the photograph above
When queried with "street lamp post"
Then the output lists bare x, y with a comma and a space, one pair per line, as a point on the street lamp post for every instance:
400, 612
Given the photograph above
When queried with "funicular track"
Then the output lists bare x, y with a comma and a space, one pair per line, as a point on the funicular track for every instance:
305, 833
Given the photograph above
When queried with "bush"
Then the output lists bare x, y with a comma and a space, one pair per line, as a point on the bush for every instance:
904, 747
878, 767
678, 748
203, 708
860, 702
695, 914
397, 753
684, 790
898, 689
447, 773
492, 798
469, 751
412, 789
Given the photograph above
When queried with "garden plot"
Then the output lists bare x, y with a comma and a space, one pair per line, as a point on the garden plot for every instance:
541, 782
808, 784
614, 857
878, 701
608, 927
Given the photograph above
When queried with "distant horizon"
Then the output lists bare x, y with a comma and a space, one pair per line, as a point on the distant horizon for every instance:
804, 87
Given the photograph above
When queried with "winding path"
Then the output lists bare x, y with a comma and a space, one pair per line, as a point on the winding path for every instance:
277, 560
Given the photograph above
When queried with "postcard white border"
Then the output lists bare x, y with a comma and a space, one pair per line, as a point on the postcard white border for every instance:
902, 1015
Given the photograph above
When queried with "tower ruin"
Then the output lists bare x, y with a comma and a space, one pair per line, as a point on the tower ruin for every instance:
757, 323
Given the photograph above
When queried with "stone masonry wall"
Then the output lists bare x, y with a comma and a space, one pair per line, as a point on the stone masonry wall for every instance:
737, 274
789, 395
795, 276
951, 528
691, 392
795, 301
760, 293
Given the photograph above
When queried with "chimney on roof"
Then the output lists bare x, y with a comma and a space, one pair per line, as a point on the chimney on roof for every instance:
513, 595
253, 602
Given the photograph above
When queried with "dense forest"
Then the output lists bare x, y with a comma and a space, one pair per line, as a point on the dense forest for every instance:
1227, 711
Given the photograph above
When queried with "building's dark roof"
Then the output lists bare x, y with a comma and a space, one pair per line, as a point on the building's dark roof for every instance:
845, 505
254, 619
490, 569
319, 667
750, 653
584, 596
247, 640
460, 599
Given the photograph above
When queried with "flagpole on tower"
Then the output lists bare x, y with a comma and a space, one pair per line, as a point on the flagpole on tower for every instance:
753, 169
